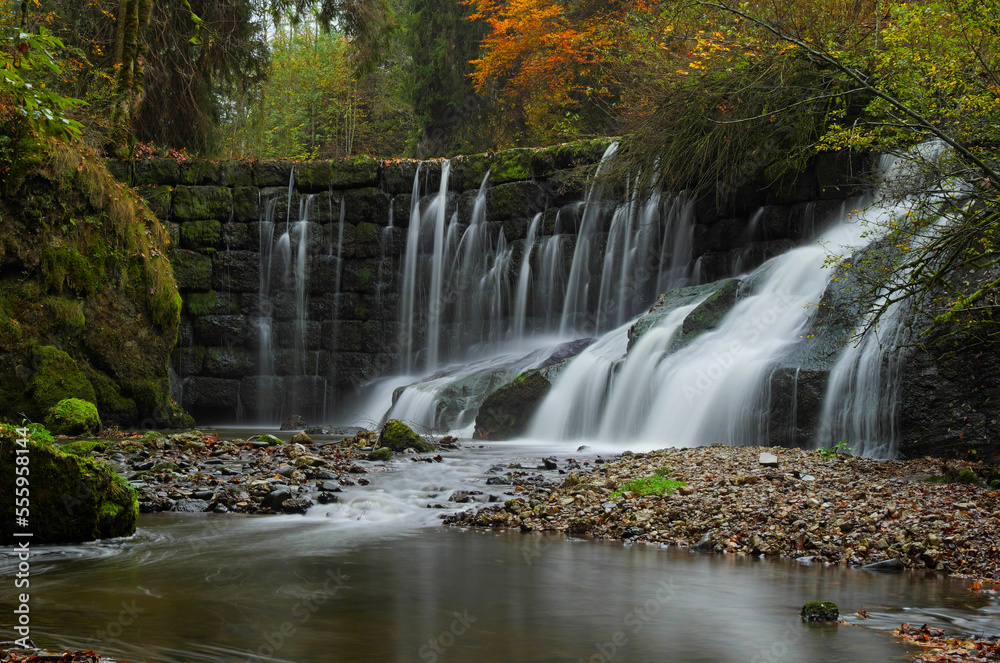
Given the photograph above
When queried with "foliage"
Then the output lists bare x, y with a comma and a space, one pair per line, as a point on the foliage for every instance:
46, 111
544, 61
657, 484
839, 448
441, 44
314, 104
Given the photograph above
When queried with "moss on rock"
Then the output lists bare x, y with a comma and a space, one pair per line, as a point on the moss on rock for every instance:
397, 436
73, 499
88, 301
381, 454
73, 416
506, 412
84, 447
57, 377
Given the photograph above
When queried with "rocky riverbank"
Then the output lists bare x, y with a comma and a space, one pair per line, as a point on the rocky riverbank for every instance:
835, 509
196, 471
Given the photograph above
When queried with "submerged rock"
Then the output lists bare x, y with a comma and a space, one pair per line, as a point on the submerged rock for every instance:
820, 611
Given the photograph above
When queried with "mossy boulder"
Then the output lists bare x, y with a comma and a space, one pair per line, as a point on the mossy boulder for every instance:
710, 312
397, 436
381, 454
506, 412
73, 416
73, 499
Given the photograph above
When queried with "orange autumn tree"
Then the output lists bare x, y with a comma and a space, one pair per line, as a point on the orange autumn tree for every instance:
543, 63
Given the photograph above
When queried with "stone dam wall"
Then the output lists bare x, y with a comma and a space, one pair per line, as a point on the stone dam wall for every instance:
345, 328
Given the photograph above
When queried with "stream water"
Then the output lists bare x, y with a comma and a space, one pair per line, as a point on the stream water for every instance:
377, 578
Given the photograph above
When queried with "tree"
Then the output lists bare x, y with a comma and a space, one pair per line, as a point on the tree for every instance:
441, 44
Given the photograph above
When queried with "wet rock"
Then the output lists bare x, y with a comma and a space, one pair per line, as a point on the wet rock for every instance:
382, 454
276, 497
820, 611
327, 498
549, 463
189, 506
506, 412
301, 438
296, 505
294, 422
330, 487
399, 437
706, 542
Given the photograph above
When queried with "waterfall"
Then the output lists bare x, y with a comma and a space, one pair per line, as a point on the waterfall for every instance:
575, 301
713, 387
436, 301
524, 279
407, 331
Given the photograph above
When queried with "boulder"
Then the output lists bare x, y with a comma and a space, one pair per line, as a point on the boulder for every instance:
73, 416
73, 498
506, 412
398, 437
294, 422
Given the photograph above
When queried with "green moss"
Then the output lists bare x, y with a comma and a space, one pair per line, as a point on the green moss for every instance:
193, 271
271, 440
201, 234
65, 267
380, 454
211, 303
73, 417
511, 166
56, 378
73, 499
202, 202
84, 447
398, 437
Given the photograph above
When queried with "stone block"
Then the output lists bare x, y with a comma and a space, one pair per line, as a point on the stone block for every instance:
220, 330
201, 234
517, 199
236, 174
192, 271
197, 172
158, 200
272, 173
157, 171
235, 271
229, 362
202, 202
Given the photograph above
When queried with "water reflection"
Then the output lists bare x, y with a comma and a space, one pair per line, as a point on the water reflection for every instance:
293, 589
